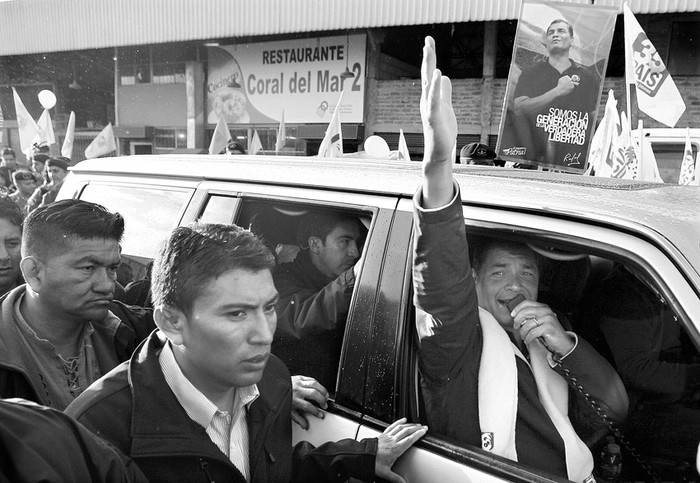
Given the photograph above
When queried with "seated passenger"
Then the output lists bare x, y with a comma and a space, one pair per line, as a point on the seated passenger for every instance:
658, 365
315, 291
492, 376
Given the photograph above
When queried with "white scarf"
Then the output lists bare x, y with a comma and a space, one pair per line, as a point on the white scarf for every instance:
498, 398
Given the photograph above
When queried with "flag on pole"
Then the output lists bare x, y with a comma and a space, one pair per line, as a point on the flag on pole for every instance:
600, 159
688, 173
46, 127
29, 131
696, 181
220, 138
332, 144
657, 95
281, 136
648, 167
403, 147
255, 146
624, 155
103, 144
67, 147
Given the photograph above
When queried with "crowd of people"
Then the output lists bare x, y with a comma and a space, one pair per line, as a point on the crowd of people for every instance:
35, 183
194, 382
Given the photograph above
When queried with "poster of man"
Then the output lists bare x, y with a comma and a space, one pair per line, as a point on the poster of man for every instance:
556, 77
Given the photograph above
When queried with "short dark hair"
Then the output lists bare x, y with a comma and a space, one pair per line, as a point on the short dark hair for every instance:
10, 211
561, 20
194, 255
6, 151
50, 228
320, 224
479, 246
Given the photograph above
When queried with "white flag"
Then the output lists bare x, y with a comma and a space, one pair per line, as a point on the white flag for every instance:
281, 136
220, 138
255, 146
103, 144
67, 147
332, 144
46, 127
403, 147
29, 130
624, 155
648, 167
600, 159
688, 172
657, 95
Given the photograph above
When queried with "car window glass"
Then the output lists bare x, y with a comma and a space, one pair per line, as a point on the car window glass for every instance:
219, 209
142, 234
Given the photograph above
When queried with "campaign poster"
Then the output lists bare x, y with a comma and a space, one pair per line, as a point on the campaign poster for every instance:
554, 85
255, 83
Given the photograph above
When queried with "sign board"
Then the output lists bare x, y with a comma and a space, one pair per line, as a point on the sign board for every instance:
554, 84
254, 83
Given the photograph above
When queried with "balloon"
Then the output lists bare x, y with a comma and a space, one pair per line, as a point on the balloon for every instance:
377, 147
47, 99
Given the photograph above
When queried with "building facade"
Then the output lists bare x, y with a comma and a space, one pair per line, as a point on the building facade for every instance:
163, 71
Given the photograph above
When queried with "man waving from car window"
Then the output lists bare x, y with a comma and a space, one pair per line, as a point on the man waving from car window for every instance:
492, 375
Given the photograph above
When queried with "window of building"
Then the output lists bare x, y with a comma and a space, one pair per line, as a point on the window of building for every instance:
167, 139
684, 49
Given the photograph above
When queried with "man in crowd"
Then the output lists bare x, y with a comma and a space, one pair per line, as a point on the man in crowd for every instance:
57, 169
58, 333
315, 291
10, 242
8, 165
204, 396
556, 82
492, 374
25, 182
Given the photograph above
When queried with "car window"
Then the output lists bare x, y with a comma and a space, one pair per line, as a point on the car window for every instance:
219, 209
142, 234
629, 315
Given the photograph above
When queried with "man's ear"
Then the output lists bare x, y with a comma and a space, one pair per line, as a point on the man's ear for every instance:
33, 272
315, 244
474, 274
171, 321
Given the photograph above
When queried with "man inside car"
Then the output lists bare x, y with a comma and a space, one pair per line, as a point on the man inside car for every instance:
492, 374
315, 291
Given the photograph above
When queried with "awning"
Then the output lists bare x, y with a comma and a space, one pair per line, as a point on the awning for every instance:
38, 26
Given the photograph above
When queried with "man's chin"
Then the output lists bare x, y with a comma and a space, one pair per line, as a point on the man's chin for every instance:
94, 314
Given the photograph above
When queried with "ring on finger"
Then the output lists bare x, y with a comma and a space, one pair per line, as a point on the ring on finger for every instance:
537, 322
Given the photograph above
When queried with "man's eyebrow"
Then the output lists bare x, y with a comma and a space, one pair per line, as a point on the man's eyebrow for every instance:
96, 261
243, 305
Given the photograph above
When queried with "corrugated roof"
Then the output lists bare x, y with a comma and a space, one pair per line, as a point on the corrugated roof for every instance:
35, 26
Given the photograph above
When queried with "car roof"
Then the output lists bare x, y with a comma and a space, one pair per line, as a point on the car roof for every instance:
670, 211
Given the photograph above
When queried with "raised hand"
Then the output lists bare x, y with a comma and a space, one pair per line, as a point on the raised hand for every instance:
439, 130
